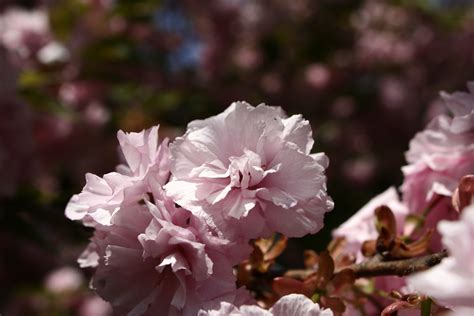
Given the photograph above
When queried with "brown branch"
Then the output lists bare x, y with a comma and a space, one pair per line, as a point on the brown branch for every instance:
377, 267
299, 274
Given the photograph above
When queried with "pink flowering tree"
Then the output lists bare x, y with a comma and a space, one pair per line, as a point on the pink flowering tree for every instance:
214, 219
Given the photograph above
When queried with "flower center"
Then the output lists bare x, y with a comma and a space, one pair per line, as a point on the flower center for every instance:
246, 171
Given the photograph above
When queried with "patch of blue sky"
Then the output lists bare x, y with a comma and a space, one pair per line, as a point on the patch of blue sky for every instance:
187, 55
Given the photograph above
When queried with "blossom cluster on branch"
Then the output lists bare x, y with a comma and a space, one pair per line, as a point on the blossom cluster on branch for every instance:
171, 223
194, 226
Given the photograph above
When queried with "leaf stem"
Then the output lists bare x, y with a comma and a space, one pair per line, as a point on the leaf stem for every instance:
426, 307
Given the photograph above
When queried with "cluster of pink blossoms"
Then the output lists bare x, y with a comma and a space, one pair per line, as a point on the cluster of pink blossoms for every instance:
172, 222
438, 158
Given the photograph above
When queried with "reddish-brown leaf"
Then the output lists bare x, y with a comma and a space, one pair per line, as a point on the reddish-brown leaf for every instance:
414, 249
333, 303
386, 219
368, 248
276, 248
464, 193
343, 280
325, 269
396, 306
283, 286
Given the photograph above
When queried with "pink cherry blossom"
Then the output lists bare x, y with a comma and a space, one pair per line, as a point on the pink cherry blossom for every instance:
94, 305
249, 171
361, 226
156, 259
24, 32
441, 154
147, 168
292, 304
452, 281
438, 157
65, 279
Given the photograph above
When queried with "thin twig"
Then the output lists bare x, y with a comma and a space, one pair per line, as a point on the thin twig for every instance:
377, 267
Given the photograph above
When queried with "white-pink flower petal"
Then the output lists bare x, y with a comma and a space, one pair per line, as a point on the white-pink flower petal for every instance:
146, 171
292, 304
